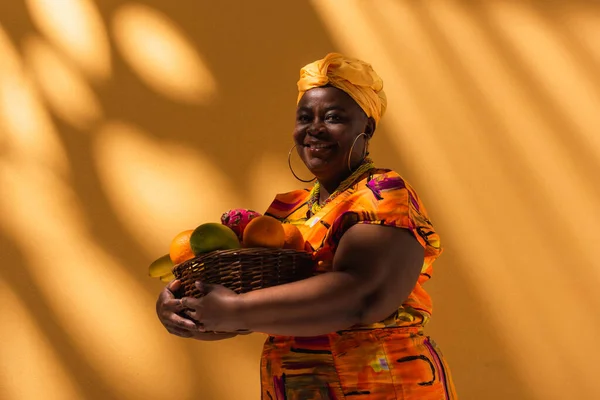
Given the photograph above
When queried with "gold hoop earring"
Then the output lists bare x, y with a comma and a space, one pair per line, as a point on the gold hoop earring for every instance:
292, 170
365, 151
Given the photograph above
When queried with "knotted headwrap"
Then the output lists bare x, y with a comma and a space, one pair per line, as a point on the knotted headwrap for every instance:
355, 77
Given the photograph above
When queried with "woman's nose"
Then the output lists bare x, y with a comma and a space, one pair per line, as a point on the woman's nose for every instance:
317, 127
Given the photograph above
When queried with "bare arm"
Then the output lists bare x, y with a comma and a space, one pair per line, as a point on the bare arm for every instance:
374, 270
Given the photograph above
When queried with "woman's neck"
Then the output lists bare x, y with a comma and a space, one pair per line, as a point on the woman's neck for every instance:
327, 187
326, 190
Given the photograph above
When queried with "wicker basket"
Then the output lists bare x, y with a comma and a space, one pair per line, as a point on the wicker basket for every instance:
244, 270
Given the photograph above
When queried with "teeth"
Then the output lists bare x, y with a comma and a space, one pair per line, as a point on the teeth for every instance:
318, 146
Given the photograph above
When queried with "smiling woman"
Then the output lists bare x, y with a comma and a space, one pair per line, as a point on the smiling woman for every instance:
330, 156
355, 328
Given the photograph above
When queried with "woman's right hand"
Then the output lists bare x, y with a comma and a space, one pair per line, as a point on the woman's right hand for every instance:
170, 312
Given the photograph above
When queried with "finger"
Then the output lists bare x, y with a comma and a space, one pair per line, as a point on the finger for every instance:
191, 302
173, 305
163, 299
174, 285
180, 322
198, 327
204, 288
165, 295
197, 317
193, 315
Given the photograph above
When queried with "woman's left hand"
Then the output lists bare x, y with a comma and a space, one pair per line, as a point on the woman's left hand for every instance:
217, 310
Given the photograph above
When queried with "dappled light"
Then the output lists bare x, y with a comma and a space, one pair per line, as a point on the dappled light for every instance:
159, 52
268, 175
28, 132
158, 188
245, 350
581, 24
70, 269
77, 29
30, 355
497, 129
67, 92
574, 92
123, 123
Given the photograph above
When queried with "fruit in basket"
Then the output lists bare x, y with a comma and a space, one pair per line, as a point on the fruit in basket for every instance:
213, 236
237, 219
167, 277
162, 268
264, 231
180, 249
293, 238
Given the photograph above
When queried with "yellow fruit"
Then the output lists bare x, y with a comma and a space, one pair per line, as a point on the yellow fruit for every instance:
161, 266
213, 236
264, 231
167, 277
180, 249
293, 238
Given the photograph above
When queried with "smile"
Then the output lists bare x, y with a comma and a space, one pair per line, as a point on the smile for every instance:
317, 146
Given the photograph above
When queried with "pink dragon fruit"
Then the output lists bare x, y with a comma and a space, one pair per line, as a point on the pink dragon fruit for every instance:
237, 219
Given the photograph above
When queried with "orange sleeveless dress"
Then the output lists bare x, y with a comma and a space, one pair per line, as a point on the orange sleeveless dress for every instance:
391, 359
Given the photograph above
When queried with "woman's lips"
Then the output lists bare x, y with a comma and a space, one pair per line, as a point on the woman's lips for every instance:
319, 146
319, 149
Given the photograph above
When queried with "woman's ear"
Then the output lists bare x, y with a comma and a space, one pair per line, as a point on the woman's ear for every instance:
370, 128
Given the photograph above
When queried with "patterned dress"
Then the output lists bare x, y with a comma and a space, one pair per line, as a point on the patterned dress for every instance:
391, 359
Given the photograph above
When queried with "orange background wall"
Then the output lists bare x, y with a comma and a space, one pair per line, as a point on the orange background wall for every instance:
123, 123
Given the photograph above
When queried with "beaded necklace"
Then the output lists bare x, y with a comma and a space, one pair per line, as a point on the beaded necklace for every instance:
313, 197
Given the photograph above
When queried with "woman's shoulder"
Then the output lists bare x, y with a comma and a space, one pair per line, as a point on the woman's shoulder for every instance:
386, 198
384, 181
385, 191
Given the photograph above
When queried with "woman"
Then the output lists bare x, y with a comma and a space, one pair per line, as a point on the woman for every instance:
355, 329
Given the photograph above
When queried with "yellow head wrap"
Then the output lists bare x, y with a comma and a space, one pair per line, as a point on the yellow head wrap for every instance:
355, 77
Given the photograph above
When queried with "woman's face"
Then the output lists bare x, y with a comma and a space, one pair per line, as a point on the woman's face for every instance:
328, 121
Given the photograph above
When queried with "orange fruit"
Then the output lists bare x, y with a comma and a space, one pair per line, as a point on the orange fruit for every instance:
180, 249
264, 231
293, 238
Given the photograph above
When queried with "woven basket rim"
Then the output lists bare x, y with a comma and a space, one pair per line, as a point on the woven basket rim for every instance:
240, 252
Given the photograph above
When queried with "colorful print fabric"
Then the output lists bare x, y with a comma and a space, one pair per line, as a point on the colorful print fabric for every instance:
381, 197
376, 364
390, 359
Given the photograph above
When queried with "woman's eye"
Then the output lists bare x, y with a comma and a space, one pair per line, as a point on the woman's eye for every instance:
333, 118
303, 118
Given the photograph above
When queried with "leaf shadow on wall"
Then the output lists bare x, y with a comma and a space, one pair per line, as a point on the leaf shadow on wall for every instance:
250, 49
83, 374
